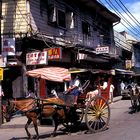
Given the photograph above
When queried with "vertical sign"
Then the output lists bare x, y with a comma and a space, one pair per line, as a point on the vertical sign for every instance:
1, 74
128, 64
8, 46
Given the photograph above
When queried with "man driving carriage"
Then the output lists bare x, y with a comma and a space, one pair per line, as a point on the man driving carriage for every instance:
74, 87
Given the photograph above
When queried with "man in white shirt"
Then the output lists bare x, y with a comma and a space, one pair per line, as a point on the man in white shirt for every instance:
111, 92
122, 86
74, 87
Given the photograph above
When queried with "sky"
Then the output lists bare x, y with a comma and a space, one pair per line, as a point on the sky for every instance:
130, 19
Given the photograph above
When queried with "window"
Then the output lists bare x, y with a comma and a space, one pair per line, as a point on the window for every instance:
85, 28
56, 17
52, 18
61, 19
70, 19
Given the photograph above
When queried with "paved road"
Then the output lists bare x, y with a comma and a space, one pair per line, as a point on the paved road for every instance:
123, 126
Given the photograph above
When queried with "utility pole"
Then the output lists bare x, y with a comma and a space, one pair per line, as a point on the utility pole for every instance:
1, 118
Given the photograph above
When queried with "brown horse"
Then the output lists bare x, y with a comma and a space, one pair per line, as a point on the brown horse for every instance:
34, 109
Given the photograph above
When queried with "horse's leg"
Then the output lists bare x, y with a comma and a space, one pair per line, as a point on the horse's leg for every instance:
55, 118
26, 127
36, 127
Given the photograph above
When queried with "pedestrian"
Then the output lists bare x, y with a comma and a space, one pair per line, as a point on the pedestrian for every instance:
111, 93
122, 85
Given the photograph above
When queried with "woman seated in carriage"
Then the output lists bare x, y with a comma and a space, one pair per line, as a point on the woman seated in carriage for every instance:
101, 88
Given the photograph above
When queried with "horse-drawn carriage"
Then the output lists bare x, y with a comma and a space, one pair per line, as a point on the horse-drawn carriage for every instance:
96, 111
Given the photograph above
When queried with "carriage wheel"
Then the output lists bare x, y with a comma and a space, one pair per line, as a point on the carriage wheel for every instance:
97, 114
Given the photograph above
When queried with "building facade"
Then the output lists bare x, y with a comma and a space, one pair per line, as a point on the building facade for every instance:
73, 33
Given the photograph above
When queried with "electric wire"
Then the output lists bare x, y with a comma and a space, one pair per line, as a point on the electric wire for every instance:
127, 15
122, 17
113, 7
138, 23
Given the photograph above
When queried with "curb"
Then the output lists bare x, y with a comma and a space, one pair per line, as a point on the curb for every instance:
118, 98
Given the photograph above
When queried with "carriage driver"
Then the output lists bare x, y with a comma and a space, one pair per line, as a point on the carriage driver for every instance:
74, 87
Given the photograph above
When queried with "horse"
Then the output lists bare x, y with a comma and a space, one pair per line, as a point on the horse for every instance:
53, 107
135, 96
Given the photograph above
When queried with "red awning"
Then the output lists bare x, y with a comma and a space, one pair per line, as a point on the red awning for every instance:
56, 74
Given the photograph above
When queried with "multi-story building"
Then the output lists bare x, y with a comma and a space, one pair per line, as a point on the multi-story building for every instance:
73, 33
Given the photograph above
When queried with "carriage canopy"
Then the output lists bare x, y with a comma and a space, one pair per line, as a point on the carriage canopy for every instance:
56, 74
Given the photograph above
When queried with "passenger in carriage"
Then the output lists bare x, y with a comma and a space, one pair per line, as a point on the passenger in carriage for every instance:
96, 91
74, 87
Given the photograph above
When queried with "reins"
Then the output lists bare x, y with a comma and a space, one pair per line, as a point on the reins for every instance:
33, 102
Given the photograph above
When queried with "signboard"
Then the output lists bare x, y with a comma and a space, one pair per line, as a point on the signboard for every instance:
128, 64
3, 61
8, 46
36, 58
54, 53
1, 73
100, 50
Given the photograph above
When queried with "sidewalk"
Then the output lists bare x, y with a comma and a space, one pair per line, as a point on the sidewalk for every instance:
118, 98
20, 121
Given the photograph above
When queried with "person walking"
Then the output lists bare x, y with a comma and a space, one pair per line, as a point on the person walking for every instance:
111, 93
122, 85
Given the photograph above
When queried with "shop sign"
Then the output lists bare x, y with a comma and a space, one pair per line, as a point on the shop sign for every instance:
1, 73
100, 50
128, 64
54, 53
8, 46
36, 58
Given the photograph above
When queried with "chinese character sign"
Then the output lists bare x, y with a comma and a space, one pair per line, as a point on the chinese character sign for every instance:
128, 64
36, 58
54, 53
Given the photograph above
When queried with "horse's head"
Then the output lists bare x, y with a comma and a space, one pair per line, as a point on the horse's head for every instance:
133, 89
54, 93
8, 110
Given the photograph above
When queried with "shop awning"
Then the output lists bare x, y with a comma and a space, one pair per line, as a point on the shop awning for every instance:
56, 74
122, 71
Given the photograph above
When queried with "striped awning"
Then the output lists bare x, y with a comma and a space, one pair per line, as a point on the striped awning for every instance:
56, 74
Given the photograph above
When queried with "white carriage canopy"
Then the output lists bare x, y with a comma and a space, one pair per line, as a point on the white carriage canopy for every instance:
56, 74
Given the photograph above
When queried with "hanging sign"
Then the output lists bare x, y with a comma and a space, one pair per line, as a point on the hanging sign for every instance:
100, 50
128, 64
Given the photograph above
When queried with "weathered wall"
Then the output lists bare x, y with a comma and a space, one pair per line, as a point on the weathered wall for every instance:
67, 36
14, 13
